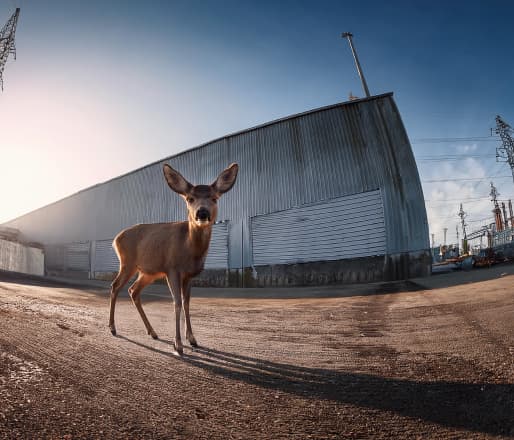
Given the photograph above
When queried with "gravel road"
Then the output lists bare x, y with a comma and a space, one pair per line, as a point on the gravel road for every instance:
433, 363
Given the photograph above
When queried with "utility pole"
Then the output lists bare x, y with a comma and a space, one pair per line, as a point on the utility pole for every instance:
496, 211
433, 240
505, 219
505, 153
7, 46
494, 195
445, 230
349, 36
462, 216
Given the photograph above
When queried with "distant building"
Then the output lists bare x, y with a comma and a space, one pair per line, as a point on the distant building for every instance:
327, 196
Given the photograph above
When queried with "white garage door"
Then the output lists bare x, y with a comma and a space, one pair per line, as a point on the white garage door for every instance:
68, 256
105, 259
217, 258
77, 256
345, 227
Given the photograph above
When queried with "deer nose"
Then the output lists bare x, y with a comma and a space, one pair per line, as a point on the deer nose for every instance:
203, 214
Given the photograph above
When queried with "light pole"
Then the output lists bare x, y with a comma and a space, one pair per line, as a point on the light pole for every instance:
349, 36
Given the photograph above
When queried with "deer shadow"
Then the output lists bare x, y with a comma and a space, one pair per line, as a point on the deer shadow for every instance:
481, 407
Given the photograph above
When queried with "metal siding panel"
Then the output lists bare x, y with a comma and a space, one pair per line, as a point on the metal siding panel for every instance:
347, 227
217, 257
54, 257
17, 257
77, 256
105, 259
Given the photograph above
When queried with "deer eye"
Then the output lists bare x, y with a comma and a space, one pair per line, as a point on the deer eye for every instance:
190, 200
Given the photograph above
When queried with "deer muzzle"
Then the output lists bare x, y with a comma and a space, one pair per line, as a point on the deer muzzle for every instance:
203, 215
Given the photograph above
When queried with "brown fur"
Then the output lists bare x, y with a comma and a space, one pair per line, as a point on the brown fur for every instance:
175, 251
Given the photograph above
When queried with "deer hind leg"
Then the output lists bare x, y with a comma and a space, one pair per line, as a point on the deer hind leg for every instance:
135, 293
175, 287
186, 296
121, 279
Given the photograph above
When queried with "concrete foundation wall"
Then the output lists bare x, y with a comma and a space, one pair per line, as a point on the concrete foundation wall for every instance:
349, 271
16, 257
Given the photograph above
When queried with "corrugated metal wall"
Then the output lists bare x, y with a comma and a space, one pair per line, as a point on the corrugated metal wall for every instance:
99, 256
345, 227
327, 153
17, 257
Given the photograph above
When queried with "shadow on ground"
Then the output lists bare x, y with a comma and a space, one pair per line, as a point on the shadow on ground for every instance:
480, 407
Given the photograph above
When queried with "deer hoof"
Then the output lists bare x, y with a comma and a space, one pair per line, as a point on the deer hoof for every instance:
194, 344
179, 349
113, 331
153, 335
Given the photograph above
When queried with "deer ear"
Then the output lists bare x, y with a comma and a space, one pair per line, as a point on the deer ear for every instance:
175, 180
226, 179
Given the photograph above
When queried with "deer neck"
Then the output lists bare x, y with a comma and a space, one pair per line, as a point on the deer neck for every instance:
199, 239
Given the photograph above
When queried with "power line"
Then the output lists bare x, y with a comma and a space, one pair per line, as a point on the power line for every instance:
455, 139
489, 171
488, 219
457, 200
465, 179
454, 157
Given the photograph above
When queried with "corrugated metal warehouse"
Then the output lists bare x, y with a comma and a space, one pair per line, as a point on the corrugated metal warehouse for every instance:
330, 195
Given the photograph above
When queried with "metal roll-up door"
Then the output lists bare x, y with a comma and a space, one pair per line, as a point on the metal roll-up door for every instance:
217, 258
77, 256
105, 259
345, 227
55, 257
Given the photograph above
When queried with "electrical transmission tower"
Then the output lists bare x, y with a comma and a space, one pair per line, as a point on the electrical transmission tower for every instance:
7, 43
506, 151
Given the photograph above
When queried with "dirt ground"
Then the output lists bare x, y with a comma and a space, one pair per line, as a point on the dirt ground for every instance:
435, 363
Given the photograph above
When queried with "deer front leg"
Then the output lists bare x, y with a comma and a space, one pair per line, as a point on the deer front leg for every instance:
124, 274
135, 293
186, 295
174, 285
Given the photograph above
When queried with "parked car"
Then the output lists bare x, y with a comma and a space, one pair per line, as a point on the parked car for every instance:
485, 258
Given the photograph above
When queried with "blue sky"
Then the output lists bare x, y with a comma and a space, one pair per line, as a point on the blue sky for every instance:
100, 88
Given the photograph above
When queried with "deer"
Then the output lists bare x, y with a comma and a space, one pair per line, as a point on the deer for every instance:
175, 251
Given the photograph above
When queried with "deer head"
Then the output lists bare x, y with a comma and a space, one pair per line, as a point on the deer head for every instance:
201, 200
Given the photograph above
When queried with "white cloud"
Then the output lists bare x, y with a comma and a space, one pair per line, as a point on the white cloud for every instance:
444, 197
462, 149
